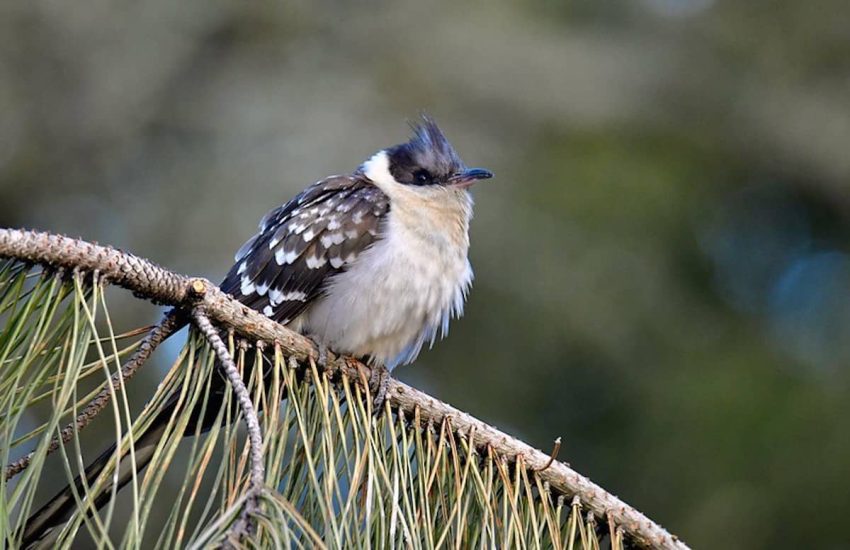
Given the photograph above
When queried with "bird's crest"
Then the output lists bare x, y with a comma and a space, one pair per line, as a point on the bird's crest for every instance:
430, 147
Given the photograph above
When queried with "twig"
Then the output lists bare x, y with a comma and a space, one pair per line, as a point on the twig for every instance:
552, 456
156, 284
255, 435
170, 323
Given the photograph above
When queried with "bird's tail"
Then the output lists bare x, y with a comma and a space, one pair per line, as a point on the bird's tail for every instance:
59, 509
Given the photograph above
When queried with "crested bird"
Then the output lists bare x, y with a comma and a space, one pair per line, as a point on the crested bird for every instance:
372, 264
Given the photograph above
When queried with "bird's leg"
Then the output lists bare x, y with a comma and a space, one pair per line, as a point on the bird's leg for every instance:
324, 353
322, 360
379, 381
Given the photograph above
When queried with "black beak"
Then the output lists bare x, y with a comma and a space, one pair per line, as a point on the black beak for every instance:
470, 176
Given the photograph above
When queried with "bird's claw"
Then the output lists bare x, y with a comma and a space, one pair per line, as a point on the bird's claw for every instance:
322, 359
379, 381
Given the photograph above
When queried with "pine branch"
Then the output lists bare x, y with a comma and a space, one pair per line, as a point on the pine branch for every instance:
255, 435
158, 285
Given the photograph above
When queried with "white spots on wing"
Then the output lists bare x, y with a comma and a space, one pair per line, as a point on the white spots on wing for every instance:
294, 296
351, 234
329, 239
242, 267
276, 296
261, 289
314, 263
247, 286
358, 216
334, 224
339, 261
282, 257
268, 311
308, 235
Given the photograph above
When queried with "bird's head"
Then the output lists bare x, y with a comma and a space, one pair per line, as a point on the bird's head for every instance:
428, 161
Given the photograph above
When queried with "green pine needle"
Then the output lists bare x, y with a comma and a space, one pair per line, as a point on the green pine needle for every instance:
339, 475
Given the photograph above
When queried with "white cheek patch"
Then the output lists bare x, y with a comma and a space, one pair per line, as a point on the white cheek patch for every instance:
377, 169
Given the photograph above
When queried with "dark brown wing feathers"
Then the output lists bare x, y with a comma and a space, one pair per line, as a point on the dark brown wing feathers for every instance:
304, 243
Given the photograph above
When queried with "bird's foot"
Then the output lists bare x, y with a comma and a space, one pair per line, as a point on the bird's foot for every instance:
379, 381
322, 359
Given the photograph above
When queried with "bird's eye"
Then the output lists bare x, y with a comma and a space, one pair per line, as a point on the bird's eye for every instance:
421, 177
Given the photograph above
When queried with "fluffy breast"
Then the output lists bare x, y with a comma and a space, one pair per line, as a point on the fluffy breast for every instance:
402, 290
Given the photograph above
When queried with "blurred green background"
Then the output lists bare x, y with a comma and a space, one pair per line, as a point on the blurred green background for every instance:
662, 262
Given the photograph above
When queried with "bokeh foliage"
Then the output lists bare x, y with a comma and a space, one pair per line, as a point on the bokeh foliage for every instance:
661, 261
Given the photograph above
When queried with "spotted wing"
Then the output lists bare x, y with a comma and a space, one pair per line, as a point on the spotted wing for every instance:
304, 243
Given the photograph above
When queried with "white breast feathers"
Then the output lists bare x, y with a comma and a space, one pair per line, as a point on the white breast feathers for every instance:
407, 285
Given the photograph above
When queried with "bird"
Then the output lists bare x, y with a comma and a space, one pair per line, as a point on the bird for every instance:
373, 264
